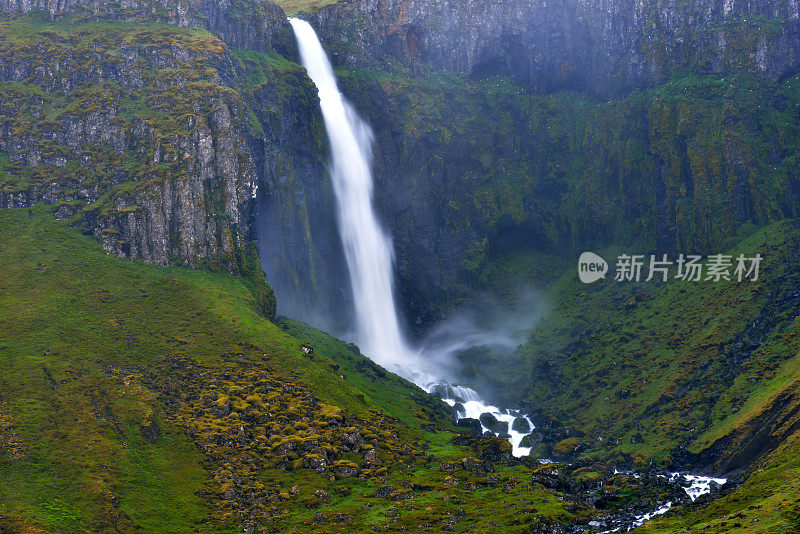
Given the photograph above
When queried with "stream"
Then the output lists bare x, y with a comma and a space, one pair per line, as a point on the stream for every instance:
370, 262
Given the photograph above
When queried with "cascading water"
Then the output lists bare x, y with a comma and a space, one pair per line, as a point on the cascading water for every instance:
369, 256
367, 247
368, 250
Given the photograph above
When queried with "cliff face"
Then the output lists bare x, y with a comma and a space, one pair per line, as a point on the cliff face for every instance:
471, 172
137, 130
601, 46
489, 159
255, 24
294, 212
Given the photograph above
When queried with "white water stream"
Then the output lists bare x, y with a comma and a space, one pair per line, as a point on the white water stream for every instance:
368, 249
369, 254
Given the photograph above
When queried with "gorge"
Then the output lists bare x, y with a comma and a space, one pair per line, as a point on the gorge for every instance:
192, 194
369, 251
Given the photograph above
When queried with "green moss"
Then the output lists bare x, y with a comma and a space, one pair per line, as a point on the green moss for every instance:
645, 366
292, 7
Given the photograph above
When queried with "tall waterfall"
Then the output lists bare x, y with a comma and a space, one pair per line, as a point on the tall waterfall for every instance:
368, 250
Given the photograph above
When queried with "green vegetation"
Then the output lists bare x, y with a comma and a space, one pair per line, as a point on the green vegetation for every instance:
127, 389
766, 502
642, 374
650, 367
172, 400
681, 166
142, 118
293, 7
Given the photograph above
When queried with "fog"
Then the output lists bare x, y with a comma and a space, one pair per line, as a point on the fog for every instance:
483, 331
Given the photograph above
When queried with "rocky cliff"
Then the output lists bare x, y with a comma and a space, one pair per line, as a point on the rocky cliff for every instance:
600, 46
255, 24
666, 139
129, 119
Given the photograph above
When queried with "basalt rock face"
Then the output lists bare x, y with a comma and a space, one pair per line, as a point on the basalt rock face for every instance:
296, 226
469, 166
605, 47
471, 171
133, 138
139, 132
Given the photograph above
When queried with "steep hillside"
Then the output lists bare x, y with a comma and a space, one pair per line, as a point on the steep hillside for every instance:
702, 373
139, 399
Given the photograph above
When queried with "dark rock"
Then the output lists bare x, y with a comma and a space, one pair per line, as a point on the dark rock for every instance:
343, 519
150, 429
473, 425
521, 425
491, 422
494, 450
549, 476
532, 42
315, 462
371, 457
541, 450
473, 465
352, 440
383, 492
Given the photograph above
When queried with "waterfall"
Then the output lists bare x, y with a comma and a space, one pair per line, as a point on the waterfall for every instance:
368, 250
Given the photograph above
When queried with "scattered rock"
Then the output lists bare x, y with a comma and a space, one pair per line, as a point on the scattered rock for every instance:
371, 457
473, 425
150, 428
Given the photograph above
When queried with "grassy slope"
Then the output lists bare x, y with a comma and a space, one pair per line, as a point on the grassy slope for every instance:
709, 367
620, 359
766, 502
68, 311
72, 454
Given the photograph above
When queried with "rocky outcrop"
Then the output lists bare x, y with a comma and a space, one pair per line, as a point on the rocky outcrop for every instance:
294, 217
139, 132
602, 46
136, 134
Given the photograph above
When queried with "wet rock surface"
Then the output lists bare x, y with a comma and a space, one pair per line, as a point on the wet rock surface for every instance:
590, 45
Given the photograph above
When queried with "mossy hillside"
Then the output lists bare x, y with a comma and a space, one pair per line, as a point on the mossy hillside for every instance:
70, 313
293, 7
640, 369
274, 87
126, 115
161, 400
765, 502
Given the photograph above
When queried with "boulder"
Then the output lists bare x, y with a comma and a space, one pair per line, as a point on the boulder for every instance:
491, 422
521, 425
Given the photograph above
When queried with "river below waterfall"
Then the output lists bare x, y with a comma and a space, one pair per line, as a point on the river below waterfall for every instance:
369, 254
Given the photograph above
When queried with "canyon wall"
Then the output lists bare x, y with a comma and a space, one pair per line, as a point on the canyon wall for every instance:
604, 47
